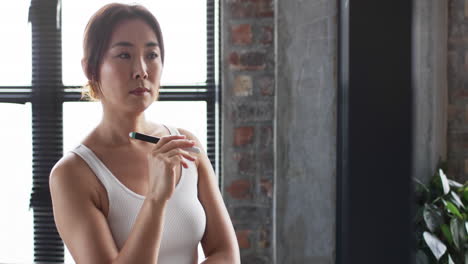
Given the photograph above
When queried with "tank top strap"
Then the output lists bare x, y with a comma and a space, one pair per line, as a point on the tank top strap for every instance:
95, 164
172, 130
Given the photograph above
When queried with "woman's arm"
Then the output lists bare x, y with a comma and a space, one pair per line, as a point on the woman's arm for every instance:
219, 241
84, 228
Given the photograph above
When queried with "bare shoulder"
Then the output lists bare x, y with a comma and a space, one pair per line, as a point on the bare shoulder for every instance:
202, 159
206, 173
72, 176
65, 169
189, 135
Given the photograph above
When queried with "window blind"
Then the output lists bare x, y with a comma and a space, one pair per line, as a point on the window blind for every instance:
46, 103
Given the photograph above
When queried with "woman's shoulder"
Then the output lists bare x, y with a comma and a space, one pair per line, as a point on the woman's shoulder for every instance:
159, 129
71, 170
187, 133
202, 157
71, 177
190, 136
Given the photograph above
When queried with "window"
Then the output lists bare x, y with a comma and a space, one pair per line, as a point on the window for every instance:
15, 67
16, 240
40, 97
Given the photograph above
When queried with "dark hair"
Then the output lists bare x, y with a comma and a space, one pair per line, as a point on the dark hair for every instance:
99, 31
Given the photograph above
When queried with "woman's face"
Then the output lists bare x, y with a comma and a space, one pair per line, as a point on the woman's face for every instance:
131, 68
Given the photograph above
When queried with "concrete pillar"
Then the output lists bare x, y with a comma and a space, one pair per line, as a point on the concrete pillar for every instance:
430, 86
305, 129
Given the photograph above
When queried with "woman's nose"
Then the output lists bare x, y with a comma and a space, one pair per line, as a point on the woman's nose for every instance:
140, 70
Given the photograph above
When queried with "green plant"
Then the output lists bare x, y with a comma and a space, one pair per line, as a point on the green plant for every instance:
441, 220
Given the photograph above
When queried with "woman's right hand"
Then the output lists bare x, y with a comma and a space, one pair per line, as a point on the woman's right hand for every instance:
163, 163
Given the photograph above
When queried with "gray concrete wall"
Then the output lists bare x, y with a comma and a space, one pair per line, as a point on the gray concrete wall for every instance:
305, 129
430, 85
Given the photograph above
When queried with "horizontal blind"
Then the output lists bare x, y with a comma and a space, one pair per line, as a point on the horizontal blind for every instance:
46, 123
212, 139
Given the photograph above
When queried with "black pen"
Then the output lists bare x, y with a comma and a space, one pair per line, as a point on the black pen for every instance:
155, 140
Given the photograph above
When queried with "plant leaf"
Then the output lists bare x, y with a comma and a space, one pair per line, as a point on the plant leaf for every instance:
466, 256
456, 199
462, 233
420, 186
436, 246
447, 234
421, 257
450, 261
455, 184
444, 181
465, 194
452, 208
455, 232
433, 217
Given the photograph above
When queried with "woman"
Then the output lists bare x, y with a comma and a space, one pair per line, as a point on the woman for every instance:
119, 200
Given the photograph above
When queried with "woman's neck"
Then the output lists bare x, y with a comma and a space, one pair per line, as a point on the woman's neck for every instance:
113, 129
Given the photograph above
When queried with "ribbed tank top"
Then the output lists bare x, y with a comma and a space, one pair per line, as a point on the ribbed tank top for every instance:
184, 220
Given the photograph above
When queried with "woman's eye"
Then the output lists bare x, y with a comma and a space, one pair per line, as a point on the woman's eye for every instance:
153, 55
124, 55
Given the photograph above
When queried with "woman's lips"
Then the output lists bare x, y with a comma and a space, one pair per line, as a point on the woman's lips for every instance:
139, 91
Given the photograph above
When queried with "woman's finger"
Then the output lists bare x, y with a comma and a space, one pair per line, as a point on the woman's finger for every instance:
180, 152
166, 139
175, 144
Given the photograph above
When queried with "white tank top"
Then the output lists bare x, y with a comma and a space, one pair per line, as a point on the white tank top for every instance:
184, 220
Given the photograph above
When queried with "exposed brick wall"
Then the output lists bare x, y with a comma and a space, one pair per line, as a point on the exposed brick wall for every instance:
248, 100
457, 76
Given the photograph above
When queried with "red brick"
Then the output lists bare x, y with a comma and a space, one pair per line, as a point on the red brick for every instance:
457, 40
251, 8
452, 112
466, 61
243, 85
466, 115
267, 86
243, 136
267, 35
263, 8
251, 60
246, 162
234, 58
266, 138
243, 238
243, 111
460, 94
466, 8
240, 189
266, 159
241, 34
249, 1
266, 187
466, 166
264, 241
240, 10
